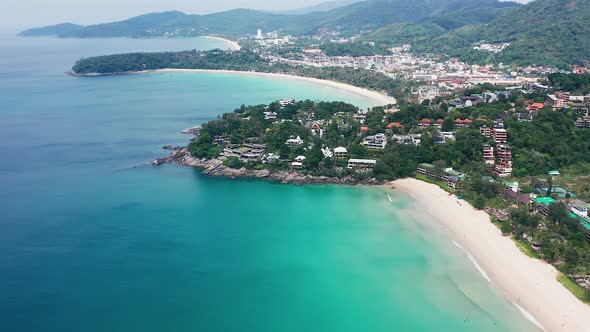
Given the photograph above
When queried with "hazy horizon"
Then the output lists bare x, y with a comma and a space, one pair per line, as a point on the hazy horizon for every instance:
36, 13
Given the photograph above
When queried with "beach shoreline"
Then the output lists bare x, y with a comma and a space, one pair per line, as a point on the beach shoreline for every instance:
377, 98
234, 46
530, 284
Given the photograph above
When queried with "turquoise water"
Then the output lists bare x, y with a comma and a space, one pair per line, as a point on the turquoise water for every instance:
92, 238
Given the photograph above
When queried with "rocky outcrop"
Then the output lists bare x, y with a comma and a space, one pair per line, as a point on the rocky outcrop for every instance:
215, 167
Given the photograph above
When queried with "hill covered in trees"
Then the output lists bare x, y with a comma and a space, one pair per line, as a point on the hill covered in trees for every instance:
231, 60
351, 19
542, 32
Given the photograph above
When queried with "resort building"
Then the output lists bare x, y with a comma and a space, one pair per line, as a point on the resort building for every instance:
555, 102
415, 139
500, 135
221, 139
270, 158
362, 163
504, 166
488, 155
360, 118
449, 175
294, 141
340, 152
583, 122
298, 162
270, 116
316, 129
393, 125
579, 208
535, 107
445, 136
286, 102
486, 131
377, 142
425, 123
244, 152
462, 123
439, 123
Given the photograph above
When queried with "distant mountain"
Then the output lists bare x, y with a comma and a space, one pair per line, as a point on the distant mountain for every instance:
321, 7
360, 16
548, 32
52, 30
430, 28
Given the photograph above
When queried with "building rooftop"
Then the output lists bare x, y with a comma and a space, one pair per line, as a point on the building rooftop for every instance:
366, 161
545, 200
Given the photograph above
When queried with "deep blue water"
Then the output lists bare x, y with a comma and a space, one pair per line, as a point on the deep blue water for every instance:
93, 238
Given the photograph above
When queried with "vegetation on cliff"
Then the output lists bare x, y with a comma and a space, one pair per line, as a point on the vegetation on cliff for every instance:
232, 60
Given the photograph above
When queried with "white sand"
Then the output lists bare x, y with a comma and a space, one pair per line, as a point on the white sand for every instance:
232, 44
529, 283
377, 98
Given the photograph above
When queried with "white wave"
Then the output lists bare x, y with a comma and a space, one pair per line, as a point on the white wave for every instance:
390, 200
529, 316
474, 262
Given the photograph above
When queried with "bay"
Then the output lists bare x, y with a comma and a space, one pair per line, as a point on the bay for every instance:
93, 238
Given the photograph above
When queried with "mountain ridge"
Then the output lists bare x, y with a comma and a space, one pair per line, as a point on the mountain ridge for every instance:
359, 16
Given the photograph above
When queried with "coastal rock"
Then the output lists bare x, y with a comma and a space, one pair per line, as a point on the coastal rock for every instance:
215, 167
170, 147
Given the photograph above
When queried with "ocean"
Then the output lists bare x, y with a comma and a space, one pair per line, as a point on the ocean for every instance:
93, 238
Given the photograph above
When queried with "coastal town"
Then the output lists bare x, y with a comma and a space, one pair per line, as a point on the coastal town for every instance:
435, 76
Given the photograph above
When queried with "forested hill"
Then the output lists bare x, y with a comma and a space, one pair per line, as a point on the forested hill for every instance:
351, 19
236, 60
543, 32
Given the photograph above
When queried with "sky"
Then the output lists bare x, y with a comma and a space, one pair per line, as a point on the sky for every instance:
33, 13
21, 14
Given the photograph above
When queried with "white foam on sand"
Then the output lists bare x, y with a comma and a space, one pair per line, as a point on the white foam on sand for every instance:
529, 316
474, 262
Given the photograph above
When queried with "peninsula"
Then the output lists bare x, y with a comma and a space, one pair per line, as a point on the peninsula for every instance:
236, 61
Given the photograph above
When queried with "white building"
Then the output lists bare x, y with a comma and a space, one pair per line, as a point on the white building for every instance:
377, 142
285, 102
294, 141
362, 163
340, 152
298, 162
270, 115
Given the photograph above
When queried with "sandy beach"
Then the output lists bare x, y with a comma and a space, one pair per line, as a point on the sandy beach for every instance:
232, 44
377, 98
529, 283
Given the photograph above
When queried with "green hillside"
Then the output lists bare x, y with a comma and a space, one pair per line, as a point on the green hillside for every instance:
364, 16
543, 32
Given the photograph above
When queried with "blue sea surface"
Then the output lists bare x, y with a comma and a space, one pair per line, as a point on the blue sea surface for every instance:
93, 238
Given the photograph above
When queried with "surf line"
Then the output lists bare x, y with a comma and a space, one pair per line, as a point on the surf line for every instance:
529, 316
474, 262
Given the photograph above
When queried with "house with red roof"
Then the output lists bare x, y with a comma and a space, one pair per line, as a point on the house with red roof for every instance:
439, 123
535, 107
424, 123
